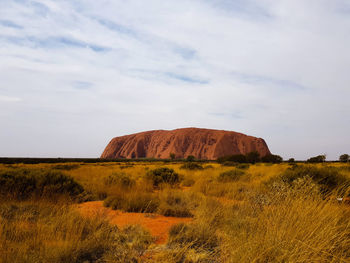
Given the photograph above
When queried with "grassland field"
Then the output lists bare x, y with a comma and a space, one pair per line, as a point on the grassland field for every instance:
71, 212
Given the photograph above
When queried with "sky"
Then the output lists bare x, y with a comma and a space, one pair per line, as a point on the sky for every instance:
74, 74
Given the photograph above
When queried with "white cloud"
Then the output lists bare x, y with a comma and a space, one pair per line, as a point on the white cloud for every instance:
98, 69
9, 99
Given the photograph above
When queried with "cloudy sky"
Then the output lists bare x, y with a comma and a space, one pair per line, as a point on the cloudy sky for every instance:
74, 74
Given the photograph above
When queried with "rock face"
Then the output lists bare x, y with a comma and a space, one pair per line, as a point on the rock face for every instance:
201, 143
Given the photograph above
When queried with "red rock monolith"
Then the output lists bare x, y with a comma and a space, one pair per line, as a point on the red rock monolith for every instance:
201, 143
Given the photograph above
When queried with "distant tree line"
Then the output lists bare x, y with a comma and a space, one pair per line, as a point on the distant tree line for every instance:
10, 160
15, 160
252, 157
344, 158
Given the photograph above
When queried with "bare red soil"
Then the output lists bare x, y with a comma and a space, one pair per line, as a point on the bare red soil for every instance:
201, 143
157, 225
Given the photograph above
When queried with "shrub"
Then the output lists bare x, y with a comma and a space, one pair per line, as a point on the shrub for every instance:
23, 183
16, 184
138, 202
229, 163
279, 191
191, 166
235, 164
119, 179
172, 156
317, 159
242, 166
328, 178
291, 160
253, 157
344, 158
67, 167
237, 158
272, 158
231, 175
190, 158
55, 182
176, 211
163, 175
126, 166
175, 203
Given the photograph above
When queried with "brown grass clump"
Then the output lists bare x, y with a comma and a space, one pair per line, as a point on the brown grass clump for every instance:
167, 202
177, 203
133, 201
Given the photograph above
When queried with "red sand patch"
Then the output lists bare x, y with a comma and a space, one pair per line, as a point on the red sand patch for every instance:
158, 225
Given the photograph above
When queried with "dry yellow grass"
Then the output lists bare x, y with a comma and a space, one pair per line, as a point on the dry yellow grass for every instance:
46, 232
239, 221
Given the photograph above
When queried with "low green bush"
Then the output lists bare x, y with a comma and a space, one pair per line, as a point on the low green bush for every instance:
328, 178
56, 182
344, 158
237, 158
163, 175
16, 184
138, 202
272, 158
191, 166
67, 167
176, 211
242, 166
229, 163
119, 179
190, 158
175, 203
25, 183
253, 157
231, 175
317, 159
